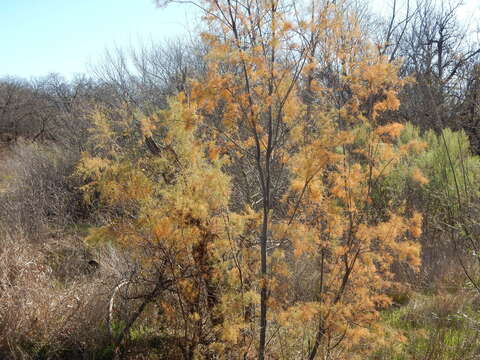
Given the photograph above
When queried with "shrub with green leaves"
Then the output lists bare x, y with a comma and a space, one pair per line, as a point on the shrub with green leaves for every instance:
439, 176
446, 167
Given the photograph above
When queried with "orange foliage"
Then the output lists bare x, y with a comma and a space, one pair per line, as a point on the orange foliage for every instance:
305, 243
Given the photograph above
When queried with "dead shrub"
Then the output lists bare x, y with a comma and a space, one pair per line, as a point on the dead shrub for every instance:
42, 317
36, 189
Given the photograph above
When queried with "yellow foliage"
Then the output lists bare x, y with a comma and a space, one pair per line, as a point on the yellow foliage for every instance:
392, 130
418, 176
147, 127
416, 224
303, 170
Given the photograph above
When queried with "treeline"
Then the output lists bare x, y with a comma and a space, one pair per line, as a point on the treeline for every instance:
437, 51
298, 182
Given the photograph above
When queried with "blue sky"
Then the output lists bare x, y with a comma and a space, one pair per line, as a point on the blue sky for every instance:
63, 36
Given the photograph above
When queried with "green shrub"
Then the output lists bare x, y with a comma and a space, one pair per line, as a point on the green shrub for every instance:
448, 165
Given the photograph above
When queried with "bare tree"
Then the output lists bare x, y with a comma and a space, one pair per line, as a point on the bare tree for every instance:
437, 51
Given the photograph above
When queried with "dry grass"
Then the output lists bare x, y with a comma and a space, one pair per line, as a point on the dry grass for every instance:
42, 317
53, 301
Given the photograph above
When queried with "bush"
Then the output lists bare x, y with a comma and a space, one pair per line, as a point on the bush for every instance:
445, 169
41, 317
37, 191
440, 181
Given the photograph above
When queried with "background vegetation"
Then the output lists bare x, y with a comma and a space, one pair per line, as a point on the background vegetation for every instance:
300, 181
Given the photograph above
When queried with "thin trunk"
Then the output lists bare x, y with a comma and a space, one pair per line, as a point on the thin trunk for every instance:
321, 329
266, 203
263, 291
